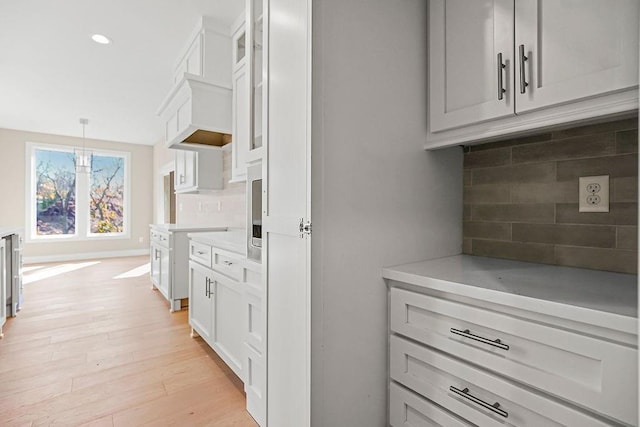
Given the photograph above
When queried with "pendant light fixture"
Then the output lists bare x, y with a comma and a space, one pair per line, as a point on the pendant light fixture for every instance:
83, 156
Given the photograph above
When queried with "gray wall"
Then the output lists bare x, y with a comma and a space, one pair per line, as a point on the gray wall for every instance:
521, 198
378, 198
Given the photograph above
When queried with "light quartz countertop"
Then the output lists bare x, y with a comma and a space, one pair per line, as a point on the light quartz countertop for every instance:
234, 240
7, 231
572, 293
185, 228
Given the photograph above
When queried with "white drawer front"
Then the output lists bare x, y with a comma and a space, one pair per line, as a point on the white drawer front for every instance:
437, 377
200, 253
408, 409
228, 264
590, 372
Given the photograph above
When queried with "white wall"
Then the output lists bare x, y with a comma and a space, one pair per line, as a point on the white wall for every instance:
13, 192
378, 199
224, 208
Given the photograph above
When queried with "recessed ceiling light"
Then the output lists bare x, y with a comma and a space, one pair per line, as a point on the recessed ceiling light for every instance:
99, 38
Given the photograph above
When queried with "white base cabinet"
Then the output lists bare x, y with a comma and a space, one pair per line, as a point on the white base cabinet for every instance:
226, 309
469, 342
3, 286
169, 259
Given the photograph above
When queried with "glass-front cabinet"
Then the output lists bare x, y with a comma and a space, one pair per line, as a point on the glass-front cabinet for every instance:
257, 67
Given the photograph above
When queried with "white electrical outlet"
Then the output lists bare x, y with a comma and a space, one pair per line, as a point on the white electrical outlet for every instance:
594, 193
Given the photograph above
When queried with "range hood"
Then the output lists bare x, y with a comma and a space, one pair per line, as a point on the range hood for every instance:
197, 113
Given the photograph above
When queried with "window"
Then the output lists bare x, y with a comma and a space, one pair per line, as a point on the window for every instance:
66, 204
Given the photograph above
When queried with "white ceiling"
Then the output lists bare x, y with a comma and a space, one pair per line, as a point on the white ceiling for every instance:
52, 73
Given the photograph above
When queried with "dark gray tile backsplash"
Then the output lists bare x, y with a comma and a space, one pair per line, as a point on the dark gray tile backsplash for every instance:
521, 198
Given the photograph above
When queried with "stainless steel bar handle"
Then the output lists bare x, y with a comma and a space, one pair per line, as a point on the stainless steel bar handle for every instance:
523, 59
182, 179
207, 286
467, 334
501, 67
200, 252
495, 408
227, 263
155, 254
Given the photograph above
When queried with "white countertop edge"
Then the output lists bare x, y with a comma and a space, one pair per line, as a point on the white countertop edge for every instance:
575, 313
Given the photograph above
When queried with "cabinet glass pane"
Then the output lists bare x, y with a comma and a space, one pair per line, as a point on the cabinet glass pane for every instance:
257, 60
241, 47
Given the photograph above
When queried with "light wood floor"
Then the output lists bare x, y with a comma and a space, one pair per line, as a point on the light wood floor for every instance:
89, 348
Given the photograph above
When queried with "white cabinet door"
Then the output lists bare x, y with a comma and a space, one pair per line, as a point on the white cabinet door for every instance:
467, 40
185, 170
240, 146
287, 256
228, 327
575, 49
200, 301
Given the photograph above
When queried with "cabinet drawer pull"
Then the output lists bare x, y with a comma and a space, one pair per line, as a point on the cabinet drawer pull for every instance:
523, 59
227, 263
501, 67
495, 408
467, 334
200, 252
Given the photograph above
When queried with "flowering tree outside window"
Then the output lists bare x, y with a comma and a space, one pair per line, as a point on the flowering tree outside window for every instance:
106, 195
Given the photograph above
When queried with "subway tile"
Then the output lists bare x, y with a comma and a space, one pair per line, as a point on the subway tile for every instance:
597, 128
486, 230
598, 258
466, 212
619, 214
627, 141
533, 252
487, 158
627, 238
466, 178
466, 246
537, 172
624, 189
600, 236
512, 142
614, 166
535, 213
547, 192
571, 148
486, 194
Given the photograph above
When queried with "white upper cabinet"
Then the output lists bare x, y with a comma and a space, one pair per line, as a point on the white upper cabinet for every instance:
574, 49
197, 110
198, 170
502, 67
465, 77
256, 70
241, 104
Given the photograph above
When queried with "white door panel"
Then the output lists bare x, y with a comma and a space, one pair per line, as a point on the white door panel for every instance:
287, 179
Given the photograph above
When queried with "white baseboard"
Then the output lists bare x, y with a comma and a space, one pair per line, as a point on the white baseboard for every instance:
83, 256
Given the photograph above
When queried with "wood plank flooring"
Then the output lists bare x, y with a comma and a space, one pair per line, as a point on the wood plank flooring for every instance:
92, 349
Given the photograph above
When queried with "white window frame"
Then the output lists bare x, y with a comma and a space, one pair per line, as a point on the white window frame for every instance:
83, 223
